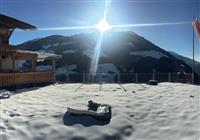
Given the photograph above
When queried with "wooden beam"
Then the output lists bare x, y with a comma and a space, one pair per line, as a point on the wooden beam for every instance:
0, 64
5, 35
33, 65
53, 65
26, 57
10, 33
13, 58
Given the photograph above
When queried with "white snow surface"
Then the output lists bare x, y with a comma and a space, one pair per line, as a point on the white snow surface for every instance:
46, 51
69, 51
46, 47
169, 111
152, 53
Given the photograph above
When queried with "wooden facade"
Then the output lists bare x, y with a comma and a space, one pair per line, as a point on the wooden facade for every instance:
10, 74
15, 79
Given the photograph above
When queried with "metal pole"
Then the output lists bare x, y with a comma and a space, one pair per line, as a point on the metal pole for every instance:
193, 54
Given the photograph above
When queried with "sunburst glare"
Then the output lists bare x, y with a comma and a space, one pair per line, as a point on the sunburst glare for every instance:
103, 26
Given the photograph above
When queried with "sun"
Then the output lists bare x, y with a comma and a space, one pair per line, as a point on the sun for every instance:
103, 26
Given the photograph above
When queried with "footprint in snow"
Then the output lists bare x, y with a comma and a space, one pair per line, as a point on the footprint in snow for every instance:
14, 114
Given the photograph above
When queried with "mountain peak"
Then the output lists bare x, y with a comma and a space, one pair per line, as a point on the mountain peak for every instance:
122, 49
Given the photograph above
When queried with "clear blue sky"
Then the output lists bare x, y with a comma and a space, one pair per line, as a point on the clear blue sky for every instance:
63, 13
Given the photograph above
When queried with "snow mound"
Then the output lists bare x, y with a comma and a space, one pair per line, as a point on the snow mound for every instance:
4, 94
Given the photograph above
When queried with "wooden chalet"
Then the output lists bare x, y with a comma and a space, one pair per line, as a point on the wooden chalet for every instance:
11, 74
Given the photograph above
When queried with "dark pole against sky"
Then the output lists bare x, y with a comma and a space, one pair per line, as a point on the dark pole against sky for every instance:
65, 13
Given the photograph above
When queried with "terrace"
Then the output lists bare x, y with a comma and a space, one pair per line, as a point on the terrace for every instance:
12, 60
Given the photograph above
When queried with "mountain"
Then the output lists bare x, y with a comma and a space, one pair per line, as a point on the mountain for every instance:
124, 52
188, 61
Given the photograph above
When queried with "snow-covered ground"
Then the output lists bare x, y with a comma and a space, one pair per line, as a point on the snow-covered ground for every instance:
169, 111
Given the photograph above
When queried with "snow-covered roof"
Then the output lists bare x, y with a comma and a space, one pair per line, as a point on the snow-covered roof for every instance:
42, 55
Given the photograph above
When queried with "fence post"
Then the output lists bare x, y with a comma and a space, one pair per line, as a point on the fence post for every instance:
119, 80
136, 77
100, 76
153, 74
193, 78
169, 76
83, 77
67, 78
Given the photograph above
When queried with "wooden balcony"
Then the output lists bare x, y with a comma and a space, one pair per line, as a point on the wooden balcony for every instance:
15, 79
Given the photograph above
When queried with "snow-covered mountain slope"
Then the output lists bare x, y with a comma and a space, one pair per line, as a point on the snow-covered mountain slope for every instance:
125, 50
188, 61
153, 54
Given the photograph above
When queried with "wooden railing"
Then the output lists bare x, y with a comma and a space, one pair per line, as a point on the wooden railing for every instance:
14, 79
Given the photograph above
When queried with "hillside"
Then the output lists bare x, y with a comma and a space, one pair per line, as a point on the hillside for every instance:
123, 52
188, 61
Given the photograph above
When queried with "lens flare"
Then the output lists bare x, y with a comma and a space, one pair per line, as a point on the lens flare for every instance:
95, 58
149, 24
103, 26
67, 28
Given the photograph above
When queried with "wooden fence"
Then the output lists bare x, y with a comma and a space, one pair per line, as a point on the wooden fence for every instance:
14, 79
